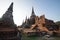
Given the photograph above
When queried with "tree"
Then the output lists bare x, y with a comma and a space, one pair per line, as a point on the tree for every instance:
58, 23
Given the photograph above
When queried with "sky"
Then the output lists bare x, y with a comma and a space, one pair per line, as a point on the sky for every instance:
23, 8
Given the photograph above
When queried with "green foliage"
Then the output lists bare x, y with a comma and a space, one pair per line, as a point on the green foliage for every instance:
58, 23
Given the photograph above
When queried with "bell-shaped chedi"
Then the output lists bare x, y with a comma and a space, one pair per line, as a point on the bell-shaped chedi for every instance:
7, 18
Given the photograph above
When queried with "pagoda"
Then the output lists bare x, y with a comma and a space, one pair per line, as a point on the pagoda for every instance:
40, 25
8, 30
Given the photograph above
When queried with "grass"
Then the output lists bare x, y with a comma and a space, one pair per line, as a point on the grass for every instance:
24, 37
57, 38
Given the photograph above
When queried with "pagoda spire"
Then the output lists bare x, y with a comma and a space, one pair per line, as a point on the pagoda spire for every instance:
32, 14
8, 17
26, 19
33, 11
8, 13
10, 7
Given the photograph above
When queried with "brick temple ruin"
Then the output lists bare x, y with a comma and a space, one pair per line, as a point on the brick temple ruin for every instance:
39, 25
8, 30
